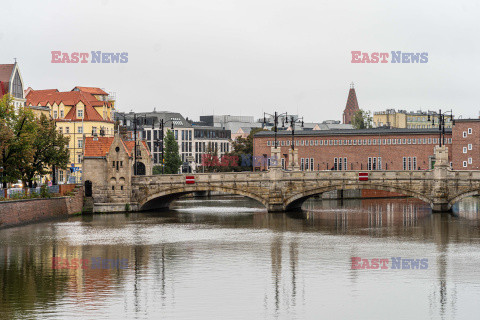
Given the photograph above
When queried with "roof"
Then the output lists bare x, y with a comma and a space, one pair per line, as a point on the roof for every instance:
90, 114
69, 98
97, 148
91, 90
167, 116
101, 146
345, 132
6, 72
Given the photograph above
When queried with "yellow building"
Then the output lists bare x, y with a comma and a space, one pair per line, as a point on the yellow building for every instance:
409, 120
82, 112
390, 118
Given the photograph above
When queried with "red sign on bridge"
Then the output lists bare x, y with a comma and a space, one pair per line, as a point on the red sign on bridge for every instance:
190, 179
363, 176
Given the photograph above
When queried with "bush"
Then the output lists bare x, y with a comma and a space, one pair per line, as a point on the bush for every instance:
44, 193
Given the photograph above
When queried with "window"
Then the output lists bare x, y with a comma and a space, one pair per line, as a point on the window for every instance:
464, 134
80, 129
307, 164
464, 164
469, 146
79, 158
55, 114
404, 163
404, 141
79, 113
429, 140
469, 160
283, 163
345, 164
60, 175
311, 142
268, 143
61, 114
339, 164
394, 141
60, 130
389, 141
80, 143
369, 166
302, 163
67, 129
283, 143
369, 141
321, 142
379, 163
409, 163
316, 142
464, 149
335, 164
469, 130
355, 142
311, 165
414, 163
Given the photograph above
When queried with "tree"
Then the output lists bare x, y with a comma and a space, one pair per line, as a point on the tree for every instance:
17, 132
243, 151
157, 170
362, 120
172, 157
50, 150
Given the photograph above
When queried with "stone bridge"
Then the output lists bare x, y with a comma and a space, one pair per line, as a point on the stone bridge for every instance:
280, 190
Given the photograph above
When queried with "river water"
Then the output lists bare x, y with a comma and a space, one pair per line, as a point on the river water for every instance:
227, 258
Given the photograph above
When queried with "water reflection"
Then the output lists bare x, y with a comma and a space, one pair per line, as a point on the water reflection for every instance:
227, 257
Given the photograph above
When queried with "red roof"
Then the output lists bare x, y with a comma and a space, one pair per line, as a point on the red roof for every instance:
97, 148
91, 90
100, 147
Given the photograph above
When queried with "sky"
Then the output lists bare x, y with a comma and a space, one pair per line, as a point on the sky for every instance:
201, 57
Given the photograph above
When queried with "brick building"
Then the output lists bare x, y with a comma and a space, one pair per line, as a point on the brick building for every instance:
366, 149
466, 144
108, 167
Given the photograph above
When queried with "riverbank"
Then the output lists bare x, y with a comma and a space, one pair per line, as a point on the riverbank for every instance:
19, 212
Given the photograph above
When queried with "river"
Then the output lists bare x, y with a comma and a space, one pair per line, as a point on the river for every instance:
227, 258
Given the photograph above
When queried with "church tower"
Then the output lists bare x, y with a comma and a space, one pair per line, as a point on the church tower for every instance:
351, 107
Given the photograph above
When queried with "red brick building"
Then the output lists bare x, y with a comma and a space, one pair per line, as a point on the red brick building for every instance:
466, 144
366, 149
351, 107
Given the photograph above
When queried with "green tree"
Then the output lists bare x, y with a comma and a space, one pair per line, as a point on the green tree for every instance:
362, 120
157, 170
17, 132
50, 149
172, 157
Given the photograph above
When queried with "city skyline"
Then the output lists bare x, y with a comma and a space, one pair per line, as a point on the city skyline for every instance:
247, 58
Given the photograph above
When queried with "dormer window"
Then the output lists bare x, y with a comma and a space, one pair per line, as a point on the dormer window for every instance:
79, 113
55, 114
61, 114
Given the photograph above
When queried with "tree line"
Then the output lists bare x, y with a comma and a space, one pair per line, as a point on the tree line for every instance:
29, 146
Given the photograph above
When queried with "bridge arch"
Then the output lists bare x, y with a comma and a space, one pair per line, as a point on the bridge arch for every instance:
461, 196
295, 201
163, 198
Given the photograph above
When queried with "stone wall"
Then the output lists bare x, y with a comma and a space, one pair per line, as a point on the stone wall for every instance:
17, 212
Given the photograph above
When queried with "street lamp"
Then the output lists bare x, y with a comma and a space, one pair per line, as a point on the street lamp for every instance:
441, 123
292, 124
275, 121
161, 126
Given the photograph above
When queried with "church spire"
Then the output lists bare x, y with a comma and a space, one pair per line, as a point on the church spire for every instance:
352, 105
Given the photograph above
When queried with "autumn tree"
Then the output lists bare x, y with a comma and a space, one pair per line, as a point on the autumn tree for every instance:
50, 150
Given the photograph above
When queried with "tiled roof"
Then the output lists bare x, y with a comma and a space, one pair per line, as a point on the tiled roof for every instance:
97, 148
91, 90
100, 147
89, 114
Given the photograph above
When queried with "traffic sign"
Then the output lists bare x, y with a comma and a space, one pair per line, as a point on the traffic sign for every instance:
190, 180
363, 176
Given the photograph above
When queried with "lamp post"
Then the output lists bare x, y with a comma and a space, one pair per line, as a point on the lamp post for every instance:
275, 116
441, 124
292, 124
161, 126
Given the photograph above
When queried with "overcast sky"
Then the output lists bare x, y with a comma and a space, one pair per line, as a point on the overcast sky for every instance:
244, 57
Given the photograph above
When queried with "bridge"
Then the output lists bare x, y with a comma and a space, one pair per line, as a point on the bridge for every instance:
279, 190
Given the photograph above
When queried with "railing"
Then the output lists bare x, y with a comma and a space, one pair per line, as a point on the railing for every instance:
10, 193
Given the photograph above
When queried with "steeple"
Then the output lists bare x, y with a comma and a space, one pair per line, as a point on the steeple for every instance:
352, 105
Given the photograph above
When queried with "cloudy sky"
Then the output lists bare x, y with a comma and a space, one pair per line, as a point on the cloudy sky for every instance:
248, 56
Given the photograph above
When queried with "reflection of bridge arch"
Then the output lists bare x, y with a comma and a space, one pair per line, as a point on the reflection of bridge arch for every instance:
295, 201
164, 198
